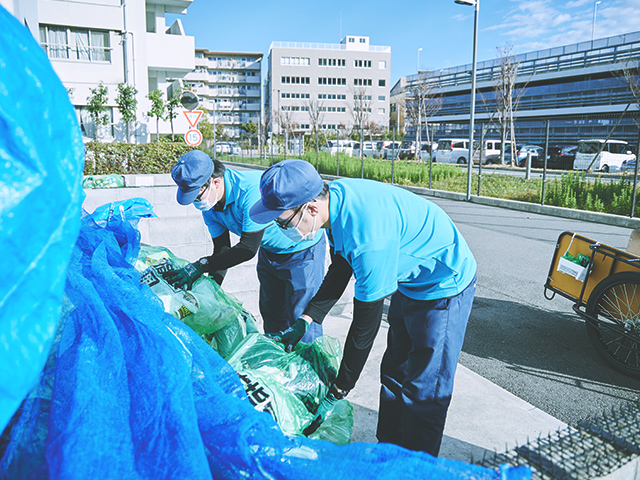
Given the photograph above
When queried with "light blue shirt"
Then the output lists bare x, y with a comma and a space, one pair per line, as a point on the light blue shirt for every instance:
396, 240
242, 191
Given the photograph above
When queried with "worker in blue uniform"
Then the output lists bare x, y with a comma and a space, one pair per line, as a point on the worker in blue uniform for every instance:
289, 272
396, 244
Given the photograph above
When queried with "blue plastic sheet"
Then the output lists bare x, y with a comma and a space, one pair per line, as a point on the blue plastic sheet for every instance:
131, 392
40, 196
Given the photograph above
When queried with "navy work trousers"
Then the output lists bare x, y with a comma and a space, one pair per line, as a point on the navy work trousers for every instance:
418, 368
288, 281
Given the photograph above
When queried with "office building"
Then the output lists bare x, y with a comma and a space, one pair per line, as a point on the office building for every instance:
344, 84
112, 42
579, 88
228, 85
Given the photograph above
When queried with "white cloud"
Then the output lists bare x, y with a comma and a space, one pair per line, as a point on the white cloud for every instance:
539, 24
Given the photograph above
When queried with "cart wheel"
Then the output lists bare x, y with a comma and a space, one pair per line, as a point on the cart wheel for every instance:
615, 302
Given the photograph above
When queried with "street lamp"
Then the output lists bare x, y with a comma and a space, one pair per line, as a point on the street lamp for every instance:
419, 100
593, 27
476, 5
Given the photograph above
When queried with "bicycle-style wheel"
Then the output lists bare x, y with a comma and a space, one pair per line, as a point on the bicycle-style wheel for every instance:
615, 303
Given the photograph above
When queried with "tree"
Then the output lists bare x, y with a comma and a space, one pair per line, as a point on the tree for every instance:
221, 133
127, 105
507, 98
286, 125
265, 131
157, 109
171, 108
250, 128
204, 125
360, 113
97, 106
316, 117
424, 101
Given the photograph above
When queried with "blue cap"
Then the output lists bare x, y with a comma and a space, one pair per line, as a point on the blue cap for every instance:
191, 172
287, 184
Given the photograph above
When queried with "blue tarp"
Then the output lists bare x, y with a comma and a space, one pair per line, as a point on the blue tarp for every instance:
127, 391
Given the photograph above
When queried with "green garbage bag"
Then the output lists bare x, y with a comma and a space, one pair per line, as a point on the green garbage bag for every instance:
108, 181
216, 316
303, 378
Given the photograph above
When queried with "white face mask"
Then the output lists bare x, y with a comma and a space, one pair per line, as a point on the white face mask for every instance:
295, 235
204, 203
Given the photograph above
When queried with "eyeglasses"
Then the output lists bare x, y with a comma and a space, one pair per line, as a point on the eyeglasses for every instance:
286, 224
203, 189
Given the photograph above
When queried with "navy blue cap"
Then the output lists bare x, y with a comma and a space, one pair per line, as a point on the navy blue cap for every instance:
287, 184
191, 172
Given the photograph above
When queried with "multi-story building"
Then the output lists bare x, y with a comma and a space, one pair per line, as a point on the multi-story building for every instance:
579, 88
228, 86
113, 42
344, 84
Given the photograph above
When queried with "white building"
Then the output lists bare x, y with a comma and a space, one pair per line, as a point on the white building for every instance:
228, 86
335, 79
112, 41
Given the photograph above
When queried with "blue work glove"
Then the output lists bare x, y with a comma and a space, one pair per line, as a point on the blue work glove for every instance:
292, 335
185, 276
325, 408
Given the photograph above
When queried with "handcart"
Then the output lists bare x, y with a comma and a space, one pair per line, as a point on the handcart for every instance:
606, 291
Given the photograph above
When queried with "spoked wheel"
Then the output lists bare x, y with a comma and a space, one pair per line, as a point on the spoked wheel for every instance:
615, 303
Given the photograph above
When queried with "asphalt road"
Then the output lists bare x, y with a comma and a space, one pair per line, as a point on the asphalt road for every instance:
535, 348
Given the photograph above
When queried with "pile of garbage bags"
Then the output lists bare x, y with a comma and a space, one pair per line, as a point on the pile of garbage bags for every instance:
289, 386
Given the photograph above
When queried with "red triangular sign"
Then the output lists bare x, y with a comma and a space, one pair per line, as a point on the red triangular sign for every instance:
193, 116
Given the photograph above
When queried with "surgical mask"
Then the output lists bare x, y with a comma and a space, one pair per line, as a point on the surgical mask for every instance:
205, 204
295, 235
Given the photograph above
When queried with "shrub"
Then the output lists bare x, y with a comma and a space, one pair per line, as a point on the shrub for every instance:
123, 158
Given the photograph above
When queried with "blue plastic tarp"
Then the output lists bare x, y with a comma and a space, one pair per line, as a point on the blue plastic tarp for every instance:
40, 196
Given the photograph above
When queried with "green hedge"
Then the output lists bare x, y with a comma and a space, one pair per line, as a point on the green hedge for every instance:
125, 158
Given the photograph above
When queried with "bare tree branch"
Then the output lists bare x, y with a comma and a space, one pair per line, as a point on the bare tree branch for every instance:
424, 100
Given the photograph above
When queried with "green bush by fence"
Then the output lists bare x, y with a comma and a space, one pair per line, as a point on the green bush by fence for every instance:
124, 158
572, 190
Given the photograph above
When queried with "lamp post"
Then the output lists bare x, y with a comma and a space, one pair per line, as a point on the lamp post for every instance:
419, 100
476, 5
593, 26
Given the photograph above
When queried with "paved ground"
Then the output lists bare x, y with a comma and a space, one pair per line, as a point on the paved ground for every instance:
535, 348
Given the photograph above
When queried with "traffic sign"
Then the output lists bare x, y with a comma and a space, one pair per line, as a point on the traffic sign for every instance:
193, 117
193, 137
189, 100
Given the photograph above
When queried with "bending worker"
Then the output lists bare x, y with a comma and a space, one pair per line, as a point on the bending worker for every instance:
395, 243
290, 272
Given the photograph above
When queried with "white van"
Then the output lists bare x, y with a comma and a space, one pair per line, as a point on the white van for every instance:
367, 149
613, 153
343, 146
456, 150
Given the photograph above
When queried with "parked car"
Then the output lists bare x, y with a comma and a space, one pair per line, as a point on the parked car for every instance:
629, 165
391, 149
342, 146
456, 150
561, 158
612, 154
491, 154
222, 147
537, 152
367, 149
234, 148
408, 149
428, 151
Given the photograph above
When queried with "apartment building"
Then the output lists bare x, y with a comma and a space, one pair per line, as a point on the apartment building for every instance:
579, 88
228, 85
340, 82
112, 41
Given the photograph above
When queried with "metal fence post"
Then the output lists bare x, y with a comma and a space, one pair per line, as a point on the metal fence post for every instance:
635, 179
527, 174
546, 157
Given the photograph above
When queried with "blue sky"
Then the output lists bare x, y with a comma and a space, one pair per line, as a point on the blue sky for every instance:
443, 29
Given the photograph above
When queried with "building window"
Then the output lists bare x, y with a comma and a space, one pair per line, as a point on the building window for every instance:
382, 64
381, 110
381, 98
362, 82
297, 61
362, 40
352, 40
381, 83
362, 63
75, 43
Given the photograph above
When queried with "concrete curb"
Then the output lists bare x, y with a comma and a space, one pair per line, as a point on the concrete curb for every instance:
604, 218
